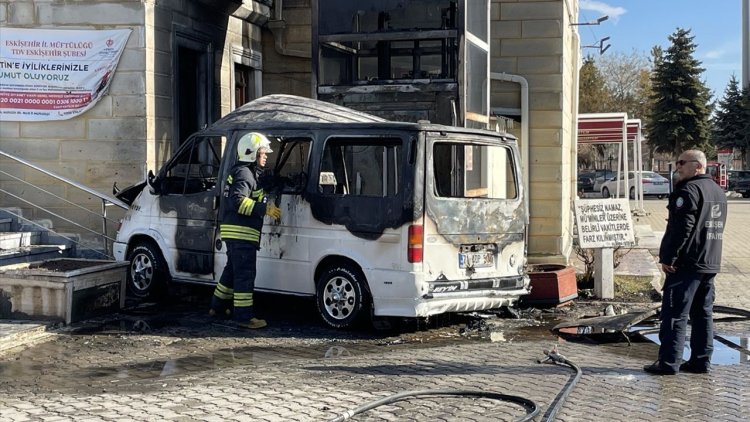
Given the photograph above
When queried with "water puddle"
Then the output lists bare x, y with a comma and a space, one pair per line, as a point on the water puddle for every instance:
728, 350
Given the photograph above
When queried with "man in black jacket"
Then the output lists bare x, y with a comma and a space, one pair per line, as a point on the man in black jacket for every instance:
690, 255
241, 213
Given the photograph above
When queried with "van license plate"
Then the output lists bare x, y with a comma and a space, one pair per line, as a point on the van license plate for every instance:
476, 259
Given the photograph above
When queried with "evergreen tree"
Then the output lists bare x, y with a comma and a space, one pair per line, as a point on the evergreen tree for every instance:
594, 97
732, 120
680, 118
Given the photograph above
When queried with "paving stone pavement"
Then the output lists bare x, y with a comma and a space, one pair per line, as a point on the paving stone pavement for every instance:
297, 387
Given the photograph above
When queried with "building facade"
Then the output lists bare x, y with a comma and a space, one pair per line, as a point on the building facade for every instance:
188, 62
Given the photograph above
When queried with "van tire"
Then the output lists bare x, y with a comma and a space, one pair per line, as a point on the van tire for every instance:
341, 296
147, 273
632, 192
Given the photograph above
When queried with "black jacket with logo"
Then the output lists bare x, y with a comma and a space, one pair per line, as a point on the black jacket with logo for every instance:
697, 216
243, 205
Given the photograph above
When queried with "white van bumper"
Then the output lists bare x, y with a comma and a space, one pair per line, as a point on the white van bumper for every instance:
119, 250
462, 299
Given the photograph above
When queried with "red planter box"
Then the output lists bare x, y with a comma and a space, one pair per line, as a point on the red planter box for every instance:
551, 284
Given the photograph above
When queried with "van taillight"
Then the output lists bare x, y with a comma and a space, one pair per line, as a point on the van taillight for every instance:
416, 238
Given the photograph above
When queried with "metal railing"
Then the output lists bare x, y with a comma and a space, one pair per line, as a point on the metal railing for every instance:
106, 201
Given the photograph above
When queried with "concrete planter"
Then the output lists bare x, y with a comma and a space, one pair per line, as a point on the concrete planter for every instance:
65, 289
551, 284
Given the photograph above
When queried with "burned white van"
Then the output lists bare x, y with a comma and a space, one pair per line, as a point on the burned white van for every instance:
378, 217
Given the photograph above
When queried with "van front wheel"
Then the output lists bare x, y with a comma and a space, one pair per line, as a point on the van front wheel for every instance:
341, 296
146, 272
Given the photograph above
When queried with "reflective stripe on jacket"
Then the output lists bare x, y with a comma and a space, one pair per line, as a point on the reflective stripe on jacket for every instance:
243, 205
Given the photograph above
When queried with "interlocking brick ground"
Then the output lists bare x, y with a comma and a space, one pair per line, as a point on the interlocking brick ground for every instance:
265, 377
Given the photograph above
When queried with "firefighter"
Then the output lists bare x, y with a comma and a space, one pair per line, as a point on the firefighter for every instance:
243, 206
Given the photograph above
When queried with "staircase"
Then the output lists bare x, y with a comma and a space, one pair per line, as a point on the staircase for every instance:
24, 240
50, 226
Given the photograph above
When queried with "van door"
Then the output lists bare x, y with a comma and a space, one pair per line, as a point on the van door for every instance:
284, 258
187, 191
474, 213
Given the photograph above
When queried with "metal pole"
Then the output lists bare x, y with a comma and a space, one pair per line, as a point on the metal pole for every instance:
746, 43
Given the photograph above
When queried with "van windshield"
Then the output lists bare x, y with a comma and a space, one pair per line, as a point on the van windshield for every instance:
474, 171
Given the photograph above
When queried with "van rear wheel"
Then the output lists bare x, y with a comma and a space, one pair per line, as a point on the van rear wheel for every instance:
147, 272
341, 296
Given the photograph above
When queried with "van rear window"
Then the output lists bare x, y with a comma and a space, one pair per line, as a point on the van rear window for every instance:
474, 171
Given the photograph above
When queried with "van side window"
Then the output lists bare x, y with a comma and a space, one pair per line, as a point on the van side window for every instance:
474, 171
361, 166
195, 168
289, 163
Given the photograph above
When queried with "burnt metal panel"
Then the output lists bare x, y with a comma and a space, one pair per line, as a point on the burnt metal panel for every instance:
280, 108
194, 217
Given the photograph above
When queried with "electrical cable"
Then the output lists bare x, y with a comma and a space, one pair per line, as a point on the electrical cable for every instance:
531, 408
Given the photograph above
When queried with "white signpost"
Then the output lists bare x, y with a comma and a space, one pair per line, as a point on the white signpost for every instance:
604, 224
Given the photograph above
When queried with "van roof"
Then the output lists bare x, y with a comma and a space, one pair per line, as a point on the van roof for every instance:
293, 111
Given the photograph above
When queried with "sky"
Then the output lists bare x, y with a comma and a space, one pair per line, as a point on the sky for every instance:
638, 25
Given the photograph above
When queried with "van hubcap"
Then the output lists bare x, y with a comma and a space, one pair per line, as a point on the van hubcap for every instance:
141, 272
339, 297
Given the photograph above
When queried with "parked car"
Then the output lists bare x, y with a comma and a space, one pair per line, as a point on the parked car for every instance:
743, 186
586, 182
601, 176
736, 176
653, 185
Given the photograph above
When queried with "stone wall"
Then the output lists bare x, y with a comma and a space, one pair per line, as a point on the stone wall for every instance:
287, 48
130, 129
533, 39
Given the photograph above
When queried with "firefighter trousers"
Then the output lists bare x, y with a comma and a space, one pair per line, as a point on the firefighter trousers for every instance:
237, 282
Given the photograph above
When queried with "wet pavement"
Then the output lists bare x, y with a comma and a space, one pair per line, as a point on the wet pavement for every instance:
175, 363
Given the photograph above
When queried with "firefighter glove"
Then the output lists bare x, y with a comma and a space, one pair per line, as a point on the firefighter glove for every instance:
273, 211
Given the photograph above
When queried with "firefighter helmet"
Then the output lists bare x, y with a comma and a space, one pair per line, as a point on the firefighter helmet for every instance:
249, 144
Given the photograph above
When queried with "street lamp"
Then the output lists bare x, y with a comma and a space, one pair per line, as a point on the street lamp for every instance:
600, 45
598, 21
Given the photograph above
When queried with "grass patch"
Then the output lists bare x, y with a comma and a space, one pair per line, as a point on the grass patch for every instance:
629, 285
628, 288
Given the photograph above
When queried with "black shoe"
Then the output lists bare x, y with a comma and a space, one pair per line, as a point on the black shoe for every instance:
694, 368
657, 368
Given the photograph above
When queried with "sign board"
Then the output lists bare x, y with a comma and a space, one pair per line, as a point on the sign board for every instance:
55, 74
726, 158
604, 223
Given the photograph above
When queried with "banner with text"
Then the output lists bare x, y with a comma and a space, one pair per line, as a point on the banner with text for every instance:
604, 223
55, 74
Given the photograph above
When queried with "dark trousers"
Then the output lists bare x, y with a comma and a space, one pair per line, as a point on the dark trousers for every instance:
237, 281
687, 294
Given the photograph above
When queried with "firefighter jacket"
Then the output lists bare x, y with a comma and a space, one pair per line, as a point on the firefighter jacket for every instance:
243, 205
697, 216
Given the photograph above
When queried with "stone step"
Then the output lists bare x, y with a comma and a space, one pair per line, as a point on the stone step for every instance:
21, 334
33, 253
36, 225
13, 240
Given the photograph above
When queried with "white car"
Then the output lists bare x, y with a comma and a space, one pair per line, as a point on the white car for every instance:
653, 185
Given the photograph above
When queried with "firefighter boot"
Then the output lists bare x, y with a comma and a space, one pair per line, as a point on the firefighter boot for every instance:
212, 313
253, 324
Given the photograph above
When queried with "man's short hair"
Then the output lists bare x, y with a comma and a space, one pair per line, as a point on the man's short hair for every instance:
696, 154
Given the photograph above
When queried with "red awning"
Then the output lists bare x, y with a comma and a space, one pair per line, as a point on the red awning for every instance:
606, 128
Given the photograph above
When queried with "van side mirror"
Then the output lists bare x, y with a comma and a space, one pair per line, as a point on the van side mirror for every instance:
150, 179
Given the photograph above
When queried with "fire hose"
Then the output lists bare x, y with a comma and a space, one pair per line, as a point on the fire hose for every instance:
531, 408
